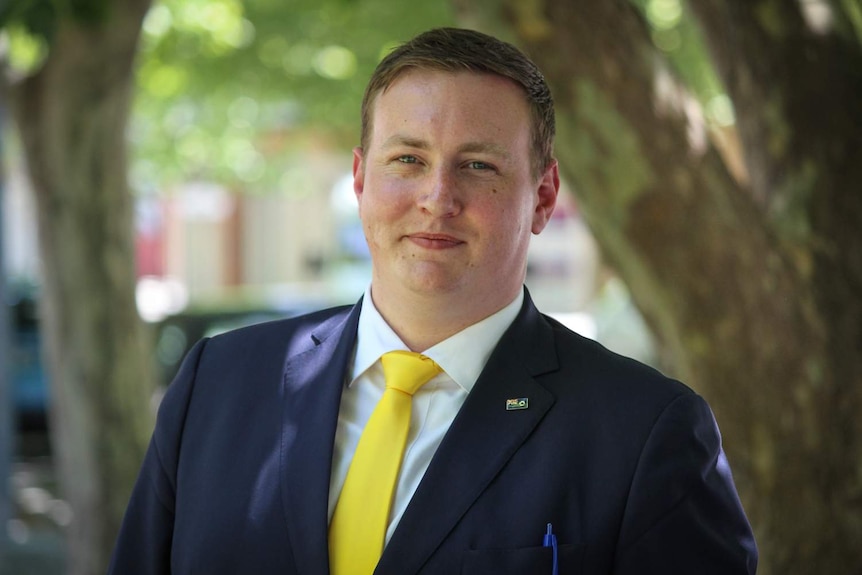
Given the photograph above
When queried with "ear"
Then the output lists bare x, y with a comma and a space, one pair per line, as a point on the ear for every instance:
358, 173
546, 197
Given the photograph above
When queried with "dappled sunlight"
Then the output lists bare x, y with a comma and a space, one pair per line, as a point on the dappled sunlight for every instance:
336, 62
665, 17
664, 14
673, 98
818, 15
264, 495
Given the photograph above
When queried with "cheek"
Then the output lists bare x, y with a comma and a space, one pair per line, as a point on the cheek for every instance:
388, 195
380, 212
510, 227
506, 217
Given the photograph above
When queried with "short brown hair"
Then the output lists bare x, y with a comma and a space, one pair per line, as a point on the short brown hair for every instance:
454, 50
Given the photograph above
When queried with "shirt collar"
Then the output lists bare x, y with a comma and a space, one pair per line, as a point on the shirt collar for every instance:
375, 337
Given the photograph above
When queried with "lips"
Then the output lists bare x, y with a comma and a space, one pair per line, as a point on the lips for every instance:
434, 241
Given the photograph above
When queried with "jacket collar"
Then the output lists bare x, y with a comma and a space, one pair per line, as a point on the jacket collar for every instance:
482, 439
314, 376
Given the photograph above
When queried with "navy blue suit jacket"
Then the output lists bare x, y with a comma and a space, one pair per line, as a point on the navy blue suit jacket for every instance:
626, 464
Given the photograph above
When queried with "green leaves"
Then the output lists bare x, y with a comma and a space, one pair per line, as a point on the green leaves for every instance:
36, 18
675, 33
227, 90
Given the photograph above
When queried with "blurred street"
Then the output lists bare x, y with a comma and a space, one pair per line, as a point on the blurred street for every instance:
33, 541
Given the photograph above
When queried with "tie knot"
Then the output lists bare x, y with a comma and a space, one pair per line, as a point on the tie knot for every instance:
408, 371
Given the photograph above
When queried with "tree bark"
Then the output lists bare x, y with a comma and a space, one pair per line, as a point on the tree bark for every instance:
753, 289
72, 116
797, 94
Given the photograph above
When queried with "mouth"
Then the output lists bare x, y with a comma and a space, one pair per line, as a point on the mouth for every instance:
434, 241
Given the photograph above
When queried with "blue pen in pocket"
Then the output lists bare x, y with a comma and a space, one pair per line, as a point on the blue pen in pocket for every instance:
550, 540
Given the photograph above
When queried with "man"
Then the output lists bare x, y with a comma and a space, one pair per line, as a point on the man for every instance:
529, 450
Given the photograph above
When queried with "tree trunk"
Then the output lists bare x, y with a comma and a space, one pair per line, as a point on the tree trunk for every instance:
754, 290
72, 116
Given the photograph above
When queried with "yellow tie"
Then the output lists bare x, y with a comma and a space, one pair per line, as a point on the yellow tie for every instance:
358, 527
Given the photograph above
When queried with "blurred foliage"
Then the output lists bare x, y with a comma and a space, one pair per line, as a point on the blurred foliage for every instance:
25, 51
33, 18
229, 90
676, 34
36, 20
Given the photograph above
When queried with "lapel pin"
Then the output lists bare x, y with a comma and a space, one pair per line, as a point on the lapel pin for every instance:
517, 403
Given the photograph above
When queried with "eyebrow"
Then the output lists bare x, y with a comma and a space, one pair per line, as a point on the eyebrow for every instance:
485, 148
400, 140
469, 147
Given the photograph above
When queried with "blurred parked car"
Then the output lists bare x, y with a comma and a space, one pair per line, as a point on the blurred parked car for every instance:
173, 336
29, 391
176, 334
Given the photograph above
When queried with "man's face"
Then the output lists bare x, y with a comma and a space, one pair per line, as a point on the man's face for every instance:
446, 194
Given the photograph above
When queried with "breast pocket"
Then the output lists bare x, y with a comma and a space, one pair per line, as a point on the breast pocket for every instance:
526, 561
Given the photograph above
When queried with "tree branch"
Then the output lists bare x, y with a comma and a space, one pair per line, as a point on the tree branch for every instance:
790, 84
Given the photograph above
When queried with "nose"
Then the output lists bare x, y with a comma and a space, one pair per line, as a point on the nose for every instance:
440, 195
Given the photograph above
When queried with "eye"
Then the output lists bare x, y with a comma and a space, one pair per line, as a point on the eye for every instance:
407, 159
477, 165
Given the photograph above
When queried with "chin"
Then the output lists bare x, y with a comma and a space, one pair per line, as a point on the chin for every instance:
423, 282
432, 287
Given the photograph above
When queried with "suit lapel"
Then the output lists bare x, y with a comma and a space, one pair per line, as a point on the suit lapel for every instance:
313, 381
482, 439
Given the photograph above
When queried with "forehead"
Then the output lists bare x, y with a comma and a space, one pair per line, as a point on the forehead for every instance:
459, 102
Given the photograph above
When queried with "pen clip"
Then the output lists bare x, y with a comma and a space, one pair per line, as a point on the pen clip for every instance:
550, 540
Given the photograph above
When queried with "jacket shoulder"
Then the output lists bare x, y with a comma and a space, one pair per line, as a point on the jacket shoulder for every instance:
608, 372
294, 331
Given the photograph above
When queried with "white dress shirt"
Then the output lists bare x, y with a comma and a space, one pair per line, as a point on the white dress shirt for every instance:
462, 357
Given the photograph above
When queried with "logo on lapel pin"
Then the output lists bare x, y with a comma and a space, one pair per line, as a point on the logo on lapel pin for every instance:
517, 403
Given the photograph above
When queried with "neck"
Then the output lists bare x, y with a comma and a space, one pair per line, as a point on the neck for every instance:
424, 320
